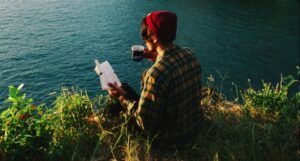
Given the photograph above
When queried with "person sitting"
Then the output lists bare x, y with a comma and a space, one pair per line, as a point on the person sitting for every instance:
169, 105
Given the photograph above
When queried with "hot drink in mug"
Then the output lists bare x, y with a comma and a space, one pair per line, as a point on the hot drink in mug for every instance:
137, 52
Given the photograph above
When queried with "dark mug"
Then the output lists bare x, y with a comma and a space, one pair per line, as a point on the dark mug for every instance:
137, 52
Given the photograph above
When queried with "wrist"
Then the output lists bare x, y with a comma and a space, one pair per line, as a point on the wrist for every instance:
121, 98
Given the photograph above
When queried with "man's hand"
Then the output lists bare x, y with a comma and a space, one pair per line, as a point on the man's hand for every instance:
115, 91
150, 55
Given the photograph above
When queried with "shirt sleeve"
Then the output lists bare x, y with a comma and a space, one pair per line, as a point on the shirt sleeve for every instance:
150, 105
150, 108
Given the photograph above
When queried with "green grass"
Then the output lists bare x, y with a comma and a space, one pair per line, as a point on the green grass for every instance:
263, 126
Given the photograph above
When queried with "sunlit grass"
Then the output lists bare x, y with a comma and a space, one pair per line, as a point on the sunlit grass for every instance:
264, 126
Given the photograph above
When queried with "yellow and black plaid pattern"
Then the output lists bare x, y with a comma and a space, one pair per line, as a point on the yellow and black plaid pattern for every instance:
169, 105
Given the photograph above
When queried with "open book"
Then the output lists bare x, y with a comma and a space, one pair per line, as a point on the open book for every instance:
106, 74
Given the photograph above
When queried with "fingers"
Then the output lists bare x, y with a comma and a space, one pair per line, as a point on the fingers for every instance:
111, 85
147, 53
116, 84
113, 93
114, 90
150, 55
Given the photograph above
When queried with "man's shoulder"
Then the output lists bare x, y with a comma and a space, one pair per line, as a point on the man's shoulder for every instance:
182, 49
188, 54
171, 61
160, 70
178, 53
157, 69
187, 49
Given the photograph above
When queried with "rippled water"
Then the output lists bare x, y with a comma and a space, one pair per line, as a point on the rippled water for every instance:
53, 43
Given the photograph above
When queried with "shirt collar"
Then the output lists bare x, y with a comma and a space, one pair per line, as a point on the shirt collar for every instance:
166, 51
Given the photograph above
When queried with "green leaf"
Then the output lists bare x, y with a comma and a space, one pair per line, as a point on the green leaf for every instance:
13, 92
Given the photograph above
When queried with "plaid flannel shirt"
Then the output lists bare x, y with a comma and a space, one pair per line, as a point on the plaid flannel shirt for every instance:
170, 100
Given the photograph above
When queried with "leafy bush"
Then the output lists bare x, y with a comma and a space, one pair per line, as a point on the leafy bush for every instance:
77, 127
273, 99
264, 126
73, 133
24, 132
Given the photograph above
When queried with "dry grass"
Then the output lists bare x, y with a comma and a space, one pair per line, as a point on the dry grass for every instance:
79, 128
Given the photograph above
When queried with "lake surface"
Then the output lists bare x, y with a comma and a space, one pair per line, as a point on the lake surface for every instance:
47, 44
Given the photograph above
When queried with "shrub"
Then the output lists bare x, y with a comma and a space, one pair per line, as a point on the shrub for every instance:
24, 132
74, 135
263, 127
272, 99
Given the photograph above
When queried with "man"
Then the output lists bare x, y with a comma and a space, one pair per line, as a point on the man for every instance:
169, 106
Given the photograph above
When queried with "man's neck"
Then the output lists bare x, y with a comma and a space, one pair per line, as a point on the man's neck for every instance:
162, 47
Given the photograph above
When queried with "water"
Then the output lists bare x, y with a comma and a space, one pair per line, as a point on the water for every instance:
53, 43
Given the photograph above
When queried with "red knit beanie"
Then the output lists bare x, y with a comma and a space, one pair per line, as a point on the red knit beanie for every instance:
163, 24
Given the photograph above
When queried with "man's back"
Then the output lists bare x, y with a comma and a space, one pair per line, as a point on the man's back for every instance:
173, 83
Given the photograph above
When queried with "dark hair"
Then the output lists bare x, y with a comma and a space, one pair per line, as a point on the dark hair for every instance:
145, 32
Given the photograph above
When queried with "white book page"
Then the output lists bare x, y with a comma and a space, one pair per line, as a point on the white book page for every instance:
106, 74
